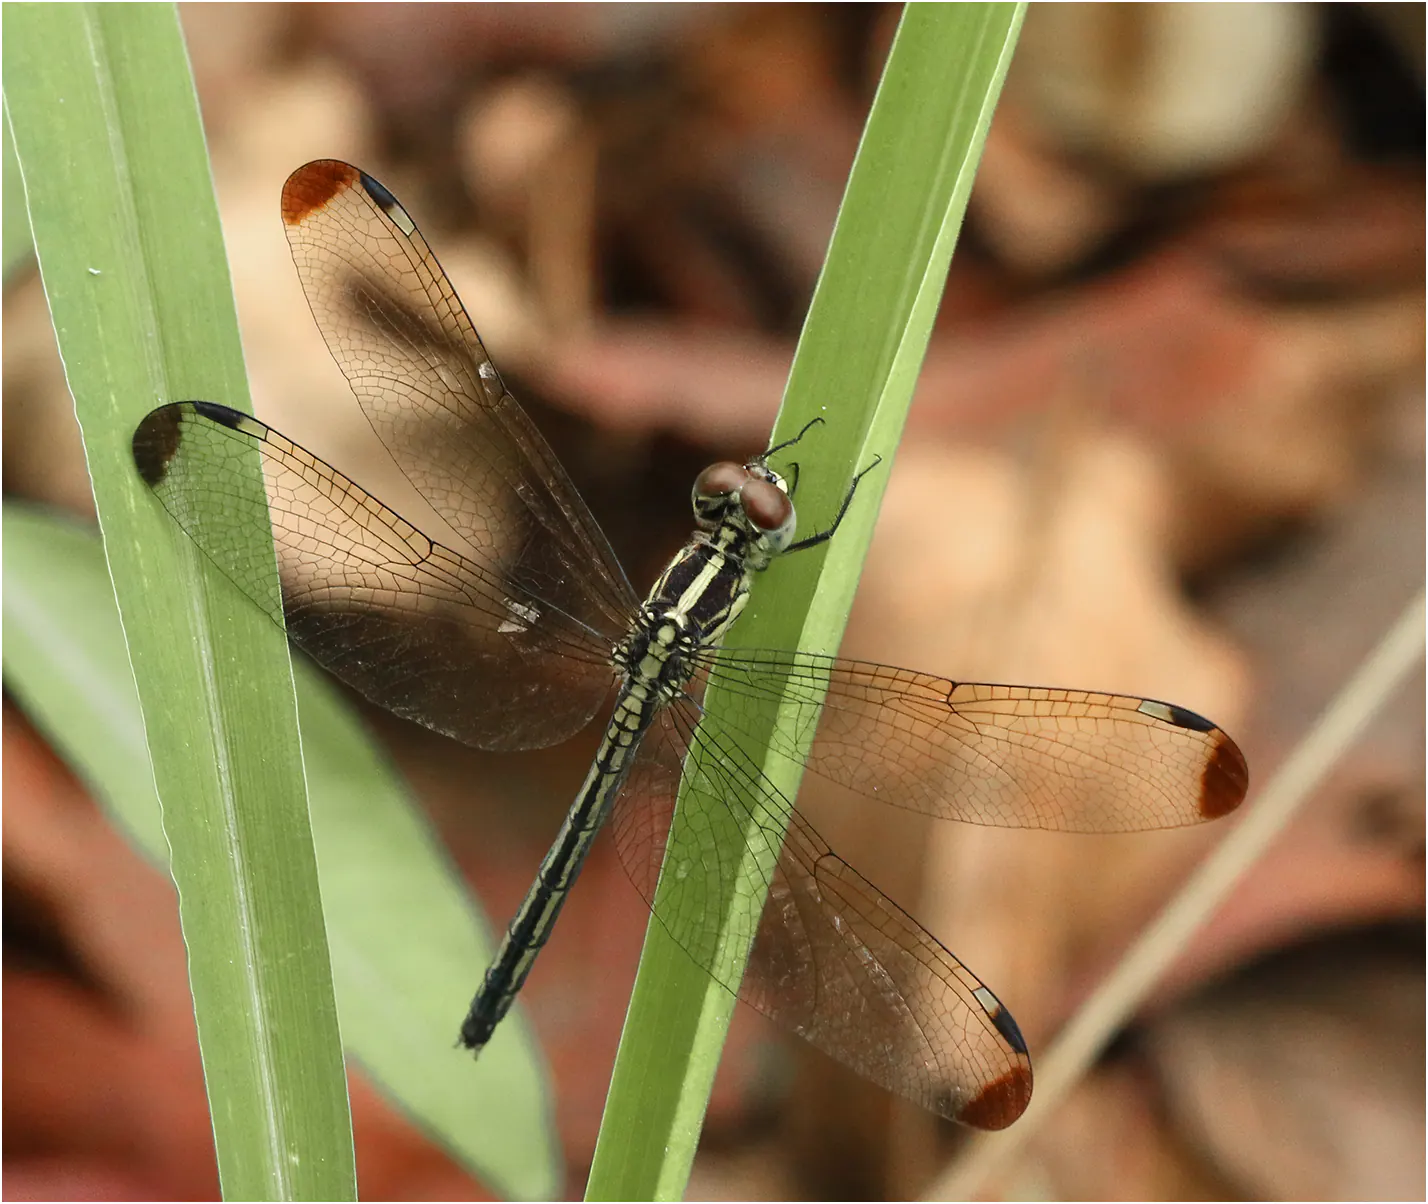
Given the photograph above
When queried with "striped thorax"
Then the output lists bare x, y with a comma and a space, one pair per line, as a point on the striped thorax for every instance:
744, 518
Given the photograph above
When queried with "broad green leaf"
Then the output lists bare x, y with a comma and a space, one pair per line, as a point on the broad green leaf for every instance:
407, 945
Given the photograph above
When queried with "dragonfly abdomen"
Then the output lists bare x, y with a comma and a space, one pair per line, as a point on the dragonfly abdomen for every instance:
531, 927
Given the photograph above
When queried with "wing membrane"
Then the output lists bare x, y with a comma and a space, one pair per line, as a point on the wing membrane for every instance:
406, 622
833, 959
1011, 756
399, 333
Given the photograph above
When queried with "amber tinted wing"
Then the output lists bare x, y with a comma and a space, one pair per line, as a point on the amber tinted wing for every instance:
401, 337
435, 637
1013, 756
833, 959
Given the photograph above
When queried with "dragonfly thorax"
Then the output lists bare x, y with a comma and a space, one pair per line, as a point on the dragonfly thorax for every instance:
658, 652
744, 519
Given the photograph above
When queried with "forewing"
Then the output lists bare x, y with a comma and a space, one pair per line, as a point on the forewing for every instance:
399, 333
1012, 756
833, 959
411, 625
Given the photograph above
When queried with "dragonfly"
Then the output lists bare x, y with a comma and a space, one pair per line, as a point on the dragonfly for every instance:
516, 632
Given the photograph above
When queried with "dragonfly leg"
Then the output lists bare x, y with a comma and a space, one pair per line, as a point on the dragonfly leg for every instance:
824, 536
778, 447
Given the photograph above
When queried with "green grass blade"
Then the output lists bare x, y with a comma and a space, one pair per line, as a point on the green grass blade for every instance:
119, 168
106, 127
856, 366
407, 945
18, 247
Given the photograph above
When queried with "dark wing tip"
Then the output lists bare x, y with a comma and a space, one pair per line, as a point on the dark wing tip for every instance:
1001, 1019
312, 185
157, 437
1000, 1101
1009, 1029
221, 414
1225, 780
378, 192
1226, 776
155, 442
1182, 717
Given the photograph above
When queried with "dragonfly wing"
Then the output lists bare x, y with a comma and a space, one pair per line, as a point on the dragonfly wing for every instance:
833, 959
399, 333
1012, 756
409, 624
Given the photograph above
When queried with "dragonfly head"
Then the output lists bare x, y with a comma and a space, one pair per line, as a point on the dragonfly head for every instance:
752, 495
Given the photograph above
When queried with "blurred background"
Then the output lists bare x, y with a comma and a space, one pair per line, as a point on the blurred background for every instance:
1168, 440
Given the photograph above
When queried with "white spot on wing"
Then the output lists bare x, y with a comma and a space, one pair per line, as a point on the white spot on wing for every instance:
449, 378
522, 616
399, 215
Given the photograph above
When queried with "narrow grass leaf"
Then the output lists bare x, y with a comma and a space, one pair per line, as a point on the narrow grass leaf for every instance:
106, 127
19, 247
856, 367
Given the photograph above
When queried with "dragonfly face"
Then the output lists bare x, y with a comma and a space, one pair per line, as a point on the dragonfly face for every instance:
748, 504
505, 641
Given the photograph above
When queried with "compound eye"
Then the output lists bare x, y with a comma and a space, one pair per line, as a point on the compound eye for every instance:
720, 480
767, 506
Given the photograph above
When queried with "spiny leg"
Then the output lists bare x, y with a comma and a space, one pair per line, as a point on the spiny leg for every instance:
824, 536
